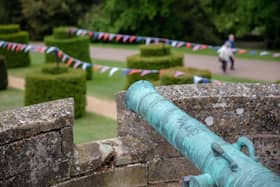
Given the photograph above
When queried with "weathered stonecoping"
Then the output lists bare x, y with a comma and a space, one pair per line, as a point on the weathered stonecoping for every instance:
35, 119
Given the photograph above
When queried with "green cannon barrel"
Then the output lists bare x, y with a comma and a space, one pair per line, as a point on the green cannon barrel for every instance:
222, 163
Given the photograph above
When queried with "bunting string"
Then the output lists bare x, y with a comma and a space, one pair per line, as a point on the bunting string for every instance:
125, 38
71, 61
65, 58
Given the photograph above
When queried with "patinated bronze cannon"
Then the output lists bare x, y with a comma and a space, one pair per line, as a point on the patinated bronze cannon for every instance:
222, 163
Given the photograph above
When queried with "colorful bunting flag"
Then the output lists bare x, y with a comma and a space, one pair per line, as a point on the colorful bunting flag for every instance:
178, 74
112, 71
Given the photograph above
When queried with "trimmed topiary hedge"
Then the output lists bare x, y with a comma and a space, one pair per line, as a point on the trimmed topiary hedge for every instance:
157, 62
7, 29
167, 75
3, 74
62, 33
77, 47
12, 33
51, 83
155, 50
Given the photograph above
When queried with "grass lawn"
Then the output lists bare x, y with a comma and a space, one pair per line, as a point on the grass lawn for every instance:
88, 128
94, 127
183, 50
11, 98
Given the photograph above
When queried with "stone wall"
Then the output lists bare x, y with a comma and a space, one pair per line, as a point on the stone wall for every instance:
139, 156
36, 144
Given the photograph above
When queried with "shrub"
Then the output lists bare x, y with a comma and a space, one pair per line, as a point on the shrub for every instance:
48, 84
62, 33
277, 82
167, 75
3, 74
14, 59
77, 47
158, 62
154, 50
7, 29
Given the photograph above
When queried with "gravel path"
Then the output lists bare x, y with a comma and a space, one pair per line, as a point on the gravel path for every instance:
244, 68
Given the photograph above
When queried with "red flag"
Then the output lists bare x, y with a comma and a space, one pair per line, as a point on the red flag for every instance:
188, 45
70, 61
18, 48
133, 71
105, 37
204, 46
118, 37
242, 51
90, 34
96, 67
132, 38
59, 54
9, 46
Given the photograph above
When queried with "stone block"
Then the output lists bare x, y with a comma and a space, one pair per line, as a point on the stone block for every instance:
128, 176
173, 169
31, 120
90, 156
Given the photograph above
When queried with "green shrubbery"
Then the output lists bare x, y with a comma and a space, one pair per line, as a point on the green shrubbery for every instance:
55, 83
167, 75
155, 50
7, 29
3, 74
77, 47
153, 57
12, 33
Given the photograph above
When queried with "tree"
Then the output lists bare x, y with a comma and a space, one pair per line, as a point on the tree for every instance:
176, 19
42, 16
253, 17
10, 12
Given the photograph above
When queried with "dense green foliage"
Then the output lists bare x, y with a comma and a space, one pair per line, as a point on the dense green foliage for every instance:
77, 47
150, 62
13, 58
3, 74
167, 75
10, 12
176, 19
154, 50
41, 87
7, 29
42, 16
252, 17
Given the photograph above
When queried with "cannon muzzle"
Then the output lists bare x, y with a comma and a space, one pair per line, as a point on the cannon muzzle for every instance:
222, 163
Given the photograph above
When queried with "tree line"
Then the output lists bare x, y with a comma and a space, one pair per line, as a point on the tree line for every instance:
205, 21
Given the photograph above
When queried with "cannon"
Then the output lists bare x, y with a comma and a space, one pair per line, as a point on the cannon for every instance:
221, 163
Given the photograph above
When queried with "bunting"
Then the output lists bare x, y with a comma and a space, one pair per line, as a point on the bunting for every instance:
71, 61
125, 38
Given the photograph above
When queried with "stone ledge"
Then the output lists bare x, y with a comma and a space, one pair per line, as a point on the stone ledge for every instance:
35, 119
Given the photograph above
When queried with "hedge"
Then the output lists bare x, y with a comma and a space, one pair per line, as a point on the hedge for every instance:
42, 87
153, 63
62, 33
167, 75
14, 59
77, 47
154, 50
3, 74
8, 29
